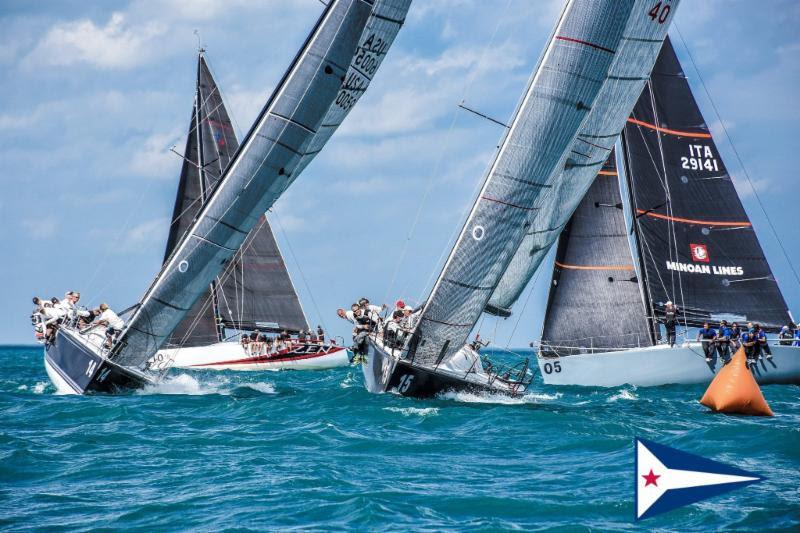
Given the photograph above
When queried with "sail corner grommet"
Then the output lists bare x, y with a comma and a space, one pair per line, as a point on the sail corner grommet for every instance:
183, 266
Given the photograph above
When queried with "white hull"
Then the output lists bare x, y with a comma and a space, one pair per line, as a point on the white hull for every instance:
233, 356
660, 365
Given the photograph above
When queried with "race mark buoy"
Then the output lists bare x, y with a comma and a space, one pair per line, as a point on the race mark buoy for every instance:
734, 390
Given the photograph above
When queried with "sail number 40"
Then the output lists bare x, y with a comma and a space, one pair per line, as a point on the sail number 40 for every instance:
660, 12
549, 368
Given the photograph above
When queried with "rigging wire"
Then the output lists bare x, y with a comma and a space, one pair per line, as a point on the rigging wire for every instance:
739, 158
531, 286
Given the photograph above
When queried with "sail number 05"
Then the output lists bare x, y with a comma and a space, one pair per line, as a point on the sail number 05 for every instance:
660, 12
549, 368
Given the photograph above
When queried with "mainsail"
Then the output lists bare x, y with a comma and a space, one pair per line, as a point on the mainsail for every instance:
633, 61
256, 287
595, 301
281, 142
526, 181
695, 240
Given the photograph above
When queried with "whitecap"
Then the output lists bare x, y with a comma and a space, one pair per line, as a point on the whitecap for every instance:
22, 387
624, 394
266, 388
497, 398
409, 411
40, 387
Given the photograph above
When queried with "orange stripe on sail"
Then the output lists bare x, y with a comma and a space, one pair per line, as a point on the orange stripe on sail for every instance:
691, 220
594, 267
607, 173
669, 131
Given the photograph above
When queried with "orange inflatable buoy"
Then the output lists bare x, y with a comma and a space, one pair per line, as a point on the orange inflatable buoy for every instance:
734, 390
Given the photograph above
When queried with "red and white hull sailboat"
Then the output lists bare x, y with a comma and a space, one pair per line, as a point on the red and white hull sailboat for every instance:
235, 356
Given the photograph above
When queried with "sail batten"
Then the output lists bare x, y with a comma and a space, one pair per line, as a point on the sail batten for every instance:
310, 93
568, 95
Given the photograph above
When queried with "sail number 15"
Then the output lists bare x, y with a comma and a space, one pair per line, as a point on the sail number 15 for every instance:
660, 12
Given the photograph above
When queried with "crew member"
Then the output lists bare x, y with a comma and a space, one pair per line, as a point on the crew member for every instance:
751, 347
112, 321
707, 336
796, 335
320, 334
723, 342
762, 342
670, 322
736, 334
786, 335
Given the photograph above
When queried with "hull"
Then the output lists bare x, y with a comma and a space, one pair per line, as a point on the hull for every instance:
233, 356
660, 365
75, 366
384, 371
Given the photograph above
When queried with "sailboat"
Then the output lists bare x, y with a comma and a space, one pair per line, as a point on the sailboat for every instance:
327, 77
255, 291
692, 243
576, 102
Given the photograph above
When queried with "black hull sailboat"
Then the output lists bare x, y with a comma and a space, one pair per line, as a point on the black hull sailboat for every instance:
385, 371
574, 107
76, 366
315, 95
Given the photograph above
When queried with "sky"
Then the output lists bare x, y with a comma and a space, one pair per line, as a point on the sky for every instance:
96, 93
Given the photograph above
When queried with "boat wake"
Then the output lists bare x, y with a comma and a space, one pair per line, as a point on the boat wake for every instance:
414, 411
502, 399
184, 384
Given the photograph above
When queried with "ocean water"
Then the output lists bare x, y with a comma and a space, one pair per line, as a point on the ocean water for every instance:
314, 450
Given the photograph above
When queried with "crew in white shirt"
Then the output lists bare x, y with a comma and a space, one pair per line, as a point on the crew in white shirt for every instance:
110, 319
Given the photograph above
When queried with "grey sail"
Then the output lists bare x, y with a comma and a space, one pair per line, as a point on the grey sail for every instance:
199, 326
633, 61
281, 141
526, 181
595, 301
256, 291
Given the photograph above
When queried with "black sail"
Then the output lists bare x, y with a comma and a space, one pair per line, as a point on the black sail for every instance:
257, 292
197, 178
695, 240
594, 300
256, 288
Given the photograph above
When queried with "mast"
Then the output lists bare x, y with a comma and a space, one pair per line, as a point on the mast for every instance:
588, 79
288, 133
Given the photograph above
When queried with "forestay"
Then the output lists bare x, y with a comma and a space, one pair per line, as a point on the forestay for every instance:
633, 61
280, 143
595, 301
696, 242
525, 180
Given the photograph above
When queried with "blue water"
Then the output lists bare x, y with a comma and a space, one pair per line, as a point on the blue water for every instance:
279, 450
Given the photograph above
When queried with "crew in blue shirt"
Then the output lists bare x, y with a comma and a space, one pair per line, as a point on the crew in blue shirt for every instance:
751, 346
736, 333
707, 336
797, 335
723, 342
762, 342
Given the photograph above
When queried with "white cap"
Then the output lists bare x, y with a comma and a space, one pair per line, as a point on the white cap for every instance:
669, 303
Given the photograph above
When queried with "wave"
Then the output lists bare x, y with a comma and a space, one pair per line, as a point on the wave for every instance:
497, 398
624, 394
184, 384
409, 411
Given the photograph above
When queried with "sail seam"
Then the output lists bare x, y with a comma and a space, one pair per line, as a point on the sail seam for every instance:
509, 203
691, 220
467, 285
587, 43
594, 267
293, 121
669, 131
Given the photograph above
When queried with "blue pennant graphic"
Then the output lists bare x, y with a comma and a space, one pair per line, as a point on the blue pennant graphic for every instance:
667, 478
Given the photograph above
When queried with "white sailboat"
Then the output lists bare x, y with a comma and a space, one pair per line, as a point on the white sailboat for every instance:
587, 81
255, 291
324, 81
692, 244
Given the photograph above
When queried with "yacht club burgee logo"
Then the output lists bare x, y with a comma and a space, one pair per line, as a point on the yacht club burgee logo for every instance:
667, 478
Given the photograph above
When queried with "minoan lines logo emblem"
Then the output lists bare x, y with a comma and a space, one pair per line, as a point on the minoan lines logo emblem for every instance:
667, 478
699, 253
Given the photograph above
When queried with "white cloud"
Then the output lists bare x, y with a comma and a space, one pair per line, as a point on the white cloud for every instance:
154, 158
117, 45
40, 228
140, 237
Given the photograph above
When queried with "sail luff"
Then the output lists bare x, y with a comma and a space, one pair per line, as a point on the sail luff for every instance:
525, 181
269, 159
633, 61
